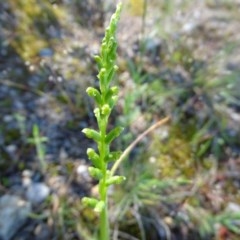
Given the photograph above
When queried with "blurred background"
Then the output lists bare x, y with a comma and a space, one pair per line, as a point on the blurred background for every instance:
176, 58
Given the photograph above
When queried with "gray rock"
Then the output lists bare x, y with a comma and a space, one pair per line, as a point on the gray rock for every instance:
82, 172
37, 192
46, 52
233, 207
13, 214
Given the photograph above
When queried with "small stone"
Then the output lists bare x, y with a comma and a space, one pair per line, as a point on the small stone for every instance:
59, 79
7, 118
46, 52
27, 173
31, 68
63, 154
189, 27
59, 185
152, 160
95, 191
37, 192
11, 148
26, 177
233, 207
82, 171
169, 221
13, 214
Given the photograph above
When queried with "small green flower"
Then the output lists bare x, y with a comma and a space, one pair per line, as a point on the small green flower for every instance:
89, 202
90, 133
95, 173
115, 180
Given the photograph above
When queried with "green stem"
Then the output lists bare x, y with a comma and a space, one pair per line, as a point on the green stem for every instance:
40, 154
104, 222
103, 151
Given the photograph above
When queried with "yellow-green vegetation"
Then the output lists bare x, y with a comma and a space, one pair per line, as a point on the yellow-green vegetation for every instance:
137, 7
33, 19
173, 157
37, 140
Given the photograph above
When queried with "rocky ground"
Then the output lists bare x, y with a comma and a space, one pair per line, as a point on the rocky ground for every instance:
45, 66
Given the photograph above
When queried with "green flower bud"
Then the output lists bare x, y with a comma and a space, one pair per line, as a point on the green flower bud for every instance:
90, 133
111, 46
95, 94
94, 157
104, 44
115, 180
113, 101
114, 90
90, 202
114, 98
101, 75
115, 68
97, 113
99, 207
98, 61
105, 110
95, 173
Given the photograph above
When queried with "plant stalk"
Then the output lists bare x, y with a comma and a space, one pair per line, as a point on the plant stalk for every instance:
104, 222
103, 151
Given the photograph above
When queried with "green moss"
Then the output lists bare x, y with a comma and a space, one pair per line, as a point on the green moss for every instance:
174, 156
33, 18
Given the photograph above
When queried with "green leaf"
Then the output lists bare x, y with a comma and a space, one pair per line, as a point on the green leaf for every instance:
113, 134
36, 135
35, 130
233, 228
111, 73
90, 133
113, 156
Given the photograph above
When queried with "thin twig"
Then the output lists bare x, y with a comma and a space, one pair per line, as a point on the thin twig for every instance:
135, 142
